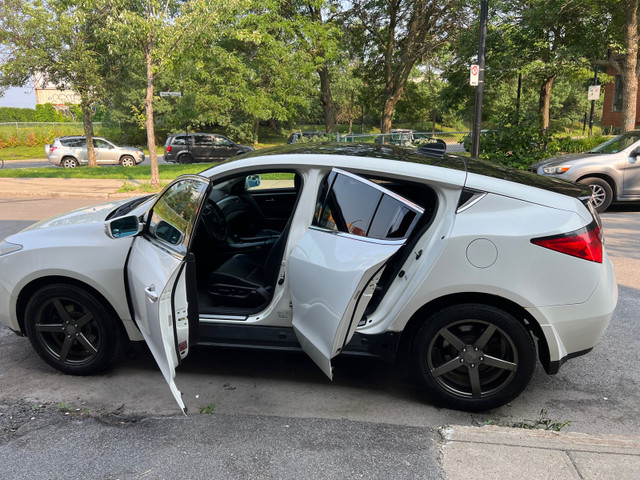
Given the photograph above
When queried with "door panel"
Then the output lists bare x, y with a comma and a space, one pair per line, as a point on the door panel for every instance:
631, 183
333, 277
276, 206
160, 274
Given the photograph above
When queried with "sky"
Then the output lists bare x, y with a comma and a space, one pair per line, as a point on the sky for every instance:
22, 97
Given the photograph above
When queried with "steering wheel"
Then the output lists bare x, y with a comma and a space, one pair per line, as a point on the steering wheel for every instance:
214, 221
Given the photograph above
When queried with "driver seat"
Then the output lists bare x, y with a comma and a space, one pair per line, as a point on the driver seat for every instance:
244, 280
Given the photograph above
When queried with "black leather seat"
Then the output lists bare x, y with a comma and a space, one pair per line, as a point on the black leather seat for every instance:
245, 280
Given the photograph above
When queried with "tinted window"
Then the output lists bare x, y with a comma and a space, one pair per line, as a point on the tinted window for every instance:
73, 142
223, 142
202, 140
100, 143
175, 212
180, 140
360, 208
618, 143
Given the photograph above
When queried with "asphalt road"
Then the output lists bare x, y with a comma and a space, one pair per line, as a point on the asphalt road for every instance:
35, 163
597, 392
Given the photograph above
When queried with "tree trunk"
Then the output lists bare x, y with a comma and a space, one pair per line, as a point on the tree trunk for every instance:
148, 110
326, 99
629, 75
545, 98
389, 107
256, 126
88, 130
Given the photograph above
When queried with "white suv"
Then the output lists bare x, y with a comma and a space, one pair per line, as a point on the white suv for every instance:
70, 152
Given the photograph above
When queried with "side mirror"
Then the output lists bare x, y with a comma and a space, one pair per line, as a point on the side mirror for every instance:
123, 227
252, 181
635, 152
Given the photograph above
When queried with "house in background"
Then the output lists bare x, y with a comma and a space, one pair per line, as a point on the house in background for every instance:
60, 99
612, 105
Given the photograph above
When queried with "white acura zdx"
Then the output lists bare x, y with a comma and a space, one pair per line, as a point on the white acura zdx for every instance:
460, 270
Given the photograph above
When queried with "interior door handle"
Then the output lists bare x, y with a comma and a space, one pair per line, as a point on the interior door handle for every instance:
151, 294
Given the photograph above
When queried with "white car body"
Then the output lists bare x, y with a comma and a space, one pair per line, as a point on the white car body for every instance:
472, 251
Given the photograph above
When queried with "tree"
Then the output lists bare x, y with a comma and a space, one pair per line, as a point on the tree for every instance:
156, 34
63, 43
395, 35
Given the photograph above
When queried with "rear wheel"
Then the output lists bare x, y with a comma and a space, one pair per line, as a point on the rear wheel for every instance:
127, 161
473, 356
69, 162
185, 158
71, 329
601, 192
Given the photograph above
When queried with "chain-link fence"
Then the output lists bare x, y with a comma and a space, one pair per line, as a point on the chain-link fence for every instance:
455, 140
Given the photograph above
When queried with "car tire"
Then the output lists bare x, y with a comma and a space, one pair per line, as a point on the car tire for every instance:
602, 193
473, 357
185, 158
69, 162
72, 330
127, 161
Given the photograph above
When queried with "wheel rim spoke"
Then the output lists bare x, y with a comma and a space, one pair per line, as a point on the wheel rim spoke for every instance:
49, 327
66, 348
452, 339
64, 314
82, 321
474, 377
447, 367
87, 344
499, 363
486, 336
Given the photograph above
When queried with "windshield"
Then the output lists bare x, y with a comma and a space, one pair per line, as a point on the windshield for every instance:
618, 143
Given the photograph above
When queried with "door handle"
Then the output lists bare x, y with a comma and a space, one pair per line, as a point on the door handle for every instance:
151, 294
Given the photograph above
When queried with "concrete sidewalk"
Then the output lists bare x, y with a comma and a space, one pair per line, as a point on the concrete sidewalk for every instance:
492, 452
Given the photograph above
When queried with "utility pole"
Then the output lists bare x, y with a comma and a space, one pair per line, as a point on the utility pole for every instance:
477, 115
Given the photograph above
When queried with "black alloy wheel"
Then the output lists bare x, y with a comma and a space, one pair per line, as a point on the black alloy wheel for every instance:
71, 329
185, 158
473, 356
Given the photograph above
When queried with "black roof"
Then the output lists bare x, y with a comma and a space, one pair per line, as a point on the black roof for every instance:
454, 162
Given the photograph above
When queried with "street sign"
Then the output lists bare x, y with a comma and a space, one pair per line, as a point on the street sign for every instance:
170, 94
594, 92
474, 75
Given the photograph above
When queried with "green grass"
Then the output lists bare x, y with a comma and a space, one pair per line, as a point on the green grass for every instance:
21, 153
140, 172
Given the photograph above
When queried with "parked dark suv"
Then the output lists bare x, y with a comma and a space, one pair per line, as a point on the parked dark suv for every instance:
201, 147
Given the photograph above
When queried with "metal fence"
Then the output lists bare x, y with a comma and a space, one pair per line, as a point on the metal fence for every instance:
454, 140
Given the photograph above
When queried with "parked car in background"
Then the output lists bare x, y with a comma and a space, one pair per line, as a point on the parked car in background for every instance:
71, 151
612, 170
296, 137
201, 147
455, 268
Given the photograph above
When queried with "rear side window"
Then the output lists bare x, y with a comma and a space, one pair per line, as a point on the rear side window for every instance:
356, 206
73, 142
202, 140
180, 140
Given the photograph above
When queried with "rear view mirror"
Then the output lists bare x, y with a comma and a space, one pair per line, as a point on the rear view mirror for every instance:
123, 227
252, 181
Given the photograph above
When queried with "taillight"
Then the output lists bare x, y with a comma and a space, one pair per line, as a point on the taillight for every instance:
585, 243
168, 149
52, 148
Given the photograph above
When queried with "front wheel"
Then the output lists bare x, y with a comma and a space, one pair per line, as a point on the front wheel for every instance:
601, 192
473, 356
71, 330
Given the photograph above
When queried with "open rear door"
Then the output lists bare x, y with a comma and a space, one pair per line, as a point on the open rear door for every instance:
158, 272
334, 269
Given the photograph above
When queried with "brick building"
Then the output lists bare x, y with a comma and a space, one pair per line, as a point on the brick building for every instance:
612, 105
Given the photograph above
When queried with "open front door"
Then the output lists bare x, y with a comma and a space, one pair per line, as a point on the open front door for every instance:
334, 269
159, 271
